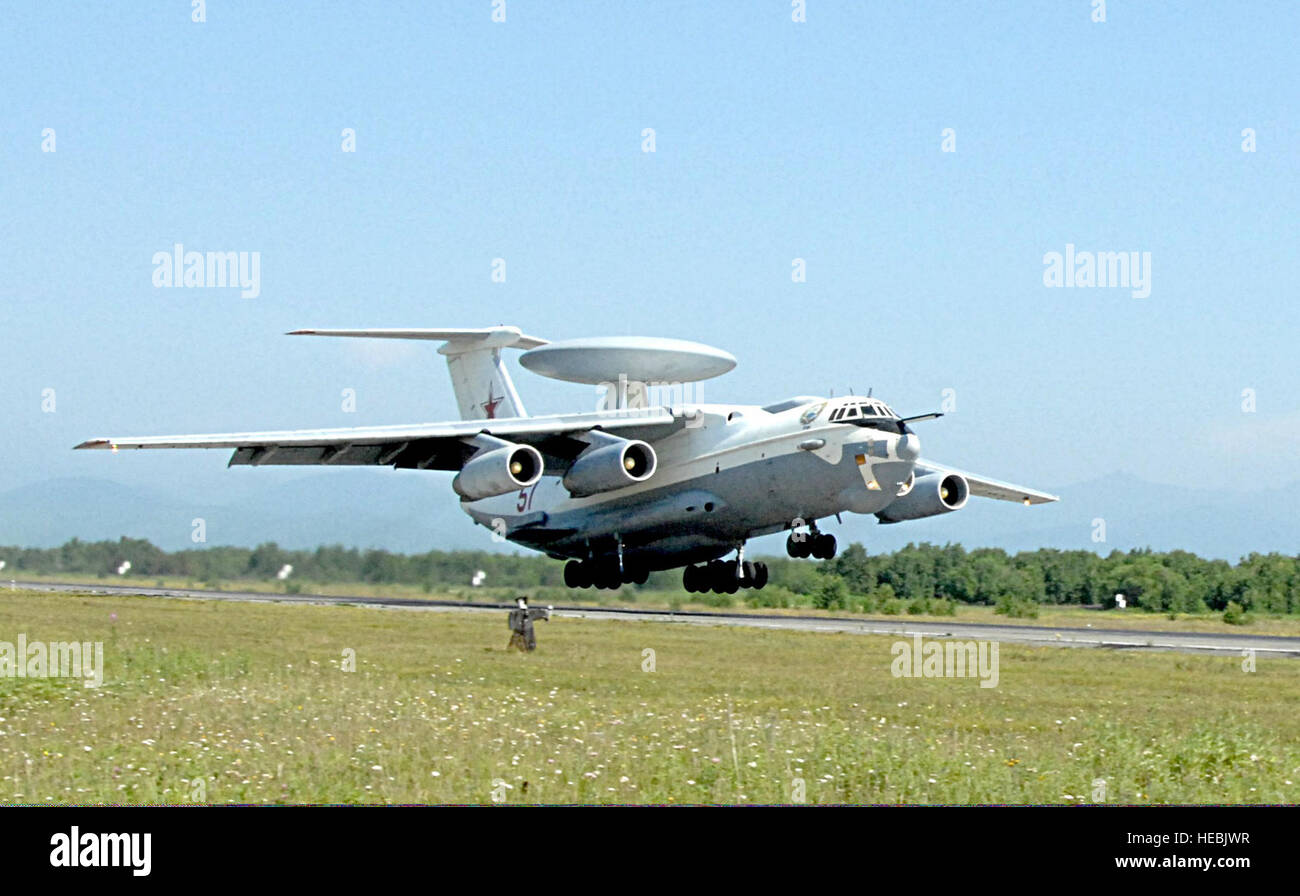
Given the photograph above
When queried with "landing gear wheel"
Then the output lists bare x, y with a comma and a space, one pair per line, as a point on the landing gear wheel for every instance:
574, 575
605, 576
823, 546
691, 579
798, 547
730, 584
760, 575
715, 576
578, 574
749, 571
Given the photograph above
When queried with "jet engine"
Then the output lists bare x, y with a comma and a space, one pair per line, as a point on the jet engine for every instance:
498, 471
929, 495
608, 464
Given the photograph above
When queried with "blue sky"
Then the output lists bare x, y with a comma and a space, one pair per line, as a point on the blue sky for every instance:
774, 140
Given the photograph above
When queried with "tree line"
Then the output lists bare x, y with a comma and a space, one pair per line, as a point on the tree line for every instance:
925, 575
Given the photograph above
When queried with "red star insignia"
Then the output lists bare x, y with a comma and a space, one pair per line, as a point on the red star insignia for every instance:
490, 406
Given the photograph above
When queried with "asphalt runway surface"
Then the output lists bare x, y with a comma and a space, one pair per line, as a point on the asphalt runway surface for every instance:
1036, 635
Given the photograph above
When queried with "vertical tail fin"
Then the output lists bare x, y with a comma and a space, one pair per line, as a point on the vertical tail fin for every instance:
479, 377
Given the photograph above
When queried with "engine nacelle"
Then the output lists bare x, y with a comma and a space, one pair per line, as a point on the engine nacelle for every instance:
930, 495
609, 464
498, 471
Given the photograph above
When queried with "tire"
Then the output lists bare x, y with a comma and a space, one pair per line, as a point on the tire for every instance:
582, 575
710, 577
730, 584
573, 577
689, 582
827, 545
749, 574
760, 575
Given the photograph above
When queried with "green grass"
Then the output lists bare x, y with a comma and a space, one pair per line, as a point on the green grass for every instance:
251, 700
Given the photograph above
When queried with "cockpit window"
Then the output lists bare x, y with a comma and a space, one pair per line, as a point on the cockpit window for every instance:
872, 414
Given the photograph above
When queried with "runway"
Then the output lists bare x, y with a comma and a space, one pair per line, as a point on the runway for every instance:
1039, 636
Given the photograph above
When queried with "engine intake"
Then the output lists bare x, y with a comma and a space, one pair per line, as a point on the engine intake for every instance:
498, 471
930, 495
608, 464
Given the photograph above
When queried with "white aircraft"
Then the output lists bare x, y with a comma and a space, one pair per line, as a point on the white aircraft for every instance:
630, 488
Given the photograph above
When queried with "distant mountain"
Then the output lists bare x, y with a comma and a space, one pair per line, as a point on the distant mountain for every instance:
1136, 514
411, 512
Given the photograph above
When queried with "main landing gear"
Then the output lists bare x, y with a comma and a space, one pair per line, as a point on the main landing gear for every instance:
815, 544
605, 574
725, 576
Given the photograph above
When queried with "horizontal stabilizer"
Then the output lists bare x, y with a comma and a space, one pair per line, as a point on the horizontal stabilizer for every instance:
484, 390
457, 340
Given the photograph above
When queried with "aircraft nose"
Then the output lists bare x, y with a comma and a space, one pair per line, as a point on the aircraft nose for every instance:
908, 447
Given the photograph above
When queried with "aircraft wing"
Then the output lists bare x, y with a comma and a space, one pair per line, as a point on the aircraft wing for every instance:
423, 446
990, 488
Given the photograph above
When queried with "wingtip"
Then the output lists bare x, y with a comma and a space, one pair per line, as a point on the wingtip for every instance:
93, 443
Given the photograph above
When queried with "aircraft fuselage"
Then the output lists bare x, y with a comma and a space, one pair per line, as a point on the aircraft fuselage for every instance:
733, 472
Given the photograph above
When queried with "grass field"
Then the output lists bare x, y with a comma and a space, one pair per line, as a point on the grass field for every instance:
235, 702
